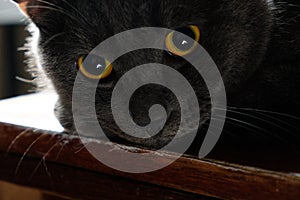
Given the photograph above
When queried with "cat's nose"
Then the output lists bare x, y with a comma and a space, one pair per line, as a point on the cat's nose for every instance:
143, 100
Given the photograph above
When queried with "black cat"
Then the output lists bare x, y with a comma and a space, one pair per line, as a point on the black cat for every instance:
255, 44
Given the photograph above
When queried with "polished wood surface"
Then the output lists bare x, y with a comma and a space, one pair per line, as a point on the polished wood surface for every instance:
60, 163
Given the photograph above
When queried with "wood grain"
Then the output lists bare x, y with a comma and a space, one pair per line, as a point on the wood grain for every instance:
187, 175
78, 183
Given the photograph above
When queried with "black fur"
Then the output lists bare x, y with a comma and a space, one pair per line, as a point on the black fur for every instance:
255, 44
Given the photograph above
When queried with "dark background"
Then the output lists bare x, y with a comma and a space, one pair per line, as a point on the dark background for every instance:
12, 65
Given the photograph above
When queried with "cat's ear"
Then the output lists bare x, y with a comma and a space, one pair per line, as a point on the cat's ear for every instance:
29, 7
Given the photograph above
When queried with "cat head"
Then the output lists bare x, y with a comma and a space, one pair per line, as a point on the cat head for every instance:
234, 32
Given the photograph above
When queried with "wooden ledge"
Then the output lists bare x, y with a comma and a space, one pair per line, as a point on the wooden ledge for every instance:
203, 177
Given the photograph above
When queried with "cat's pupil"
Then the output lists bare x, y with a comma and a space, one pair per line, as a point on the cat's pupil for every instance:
184, 41
95, 65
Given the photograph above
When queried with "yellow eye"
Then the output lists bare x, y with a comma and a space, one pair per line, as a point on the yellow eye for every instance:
95, 67
183, 44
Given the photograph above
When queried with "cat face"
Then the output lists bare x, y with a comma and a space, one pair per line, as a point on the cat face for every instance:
235, 33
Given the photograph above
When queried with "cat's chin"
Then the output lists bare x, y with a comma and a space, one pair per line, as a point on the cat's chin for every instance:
86, 127
159, 141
